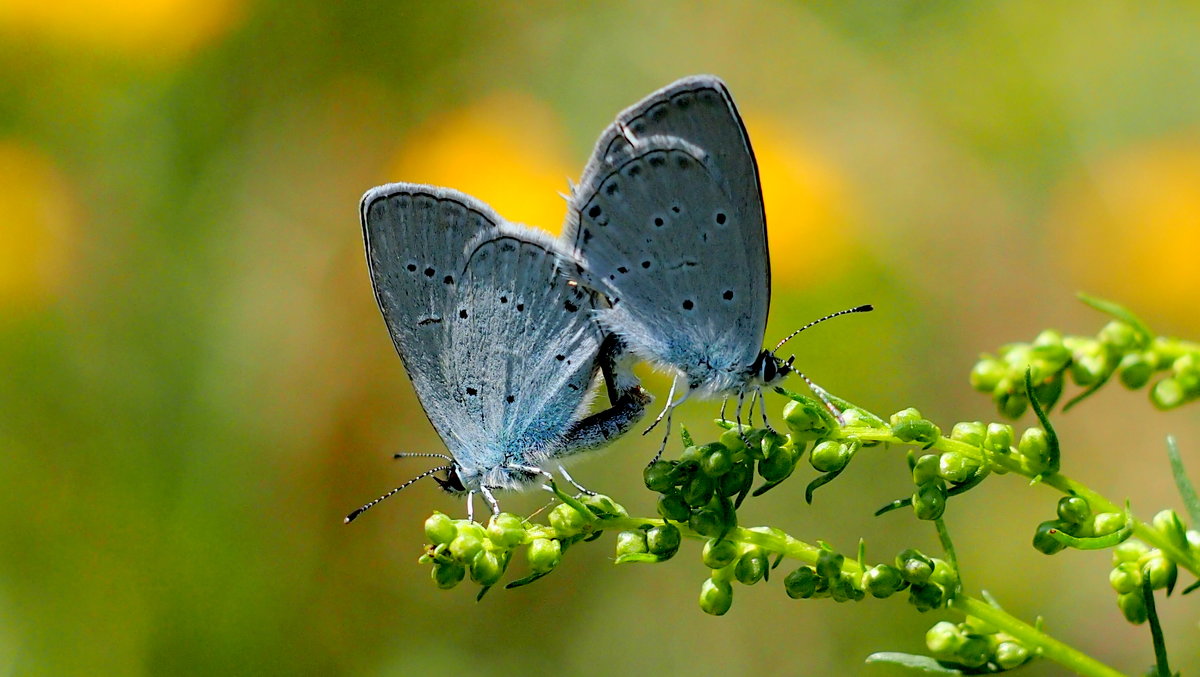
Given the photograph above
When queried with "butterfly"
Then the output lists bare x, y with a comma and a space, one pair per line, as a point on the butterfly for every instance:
501, 348
667, 222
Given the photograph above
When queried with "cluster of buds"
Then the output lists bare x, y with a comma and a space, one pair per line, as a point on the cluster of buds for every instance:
1124, 347
1135, 563
975, 646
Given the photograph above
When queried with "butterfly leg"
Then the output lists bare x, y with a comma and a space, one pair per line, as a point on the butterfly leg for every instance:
471, 505
491, 500
667, 412
724, 401
762, 409
566, 475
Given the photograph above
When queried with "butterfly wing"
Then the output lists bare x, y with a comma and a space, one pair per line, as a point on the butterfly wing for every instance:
668, 222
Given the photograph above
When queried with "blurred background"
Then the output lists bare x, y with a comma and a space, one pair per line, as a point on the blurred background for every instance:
196, 385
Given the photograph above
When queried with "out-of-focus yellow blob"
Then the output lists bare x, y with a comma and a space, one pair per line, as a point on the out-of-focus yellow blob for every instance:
810, 220
1130, 229
150, 28
507, 150
36, 224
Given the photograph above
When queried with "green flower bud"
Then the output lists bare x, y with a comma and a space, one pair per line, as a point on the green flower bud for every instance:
1105, 523
909, 415
943, 640
974, 652
841, 589
1135, 369
544, 554
1034, 445
1017, 355
566, 520
1010, 655
1048, 390
506, 530
1133, 607
707, 521
804, 421
716, 597
1168, 394
829, 564
467, 542
854, 417
751, 567
779, 465
1050, 357
1073, 509
1186, 363
986, 373
1048, 337
631, 542
732, 441
1119, 336
969, 432
659, 476
440, 529
1161, 572
956, 467
699, 489
691, 456
1130, 550
1043, 542
719, 554
925, 596
603, 506
732, 482
921, 431
488, 567
1126, 577
1089, 363
671, 506
1167, 523
882, 580
929, 500
1011, 403
717, 461
663, 540
914, 566
446, 575
829, 456
943, 574
801, 583
999, 438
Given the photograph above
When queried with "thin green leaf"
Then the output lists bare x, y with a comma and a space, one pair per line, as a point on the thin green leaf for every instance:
525, 581
912, 661
1053, 455
820, 482
1186, 489
1089, 392
1121, 313
482, 592
1156, 634
685, 436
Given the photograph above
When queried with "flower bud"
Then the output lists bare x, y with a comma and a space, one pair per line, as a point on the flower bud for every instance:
487, 567
1126, 577
506, 530
1010, 655
1119, 336
1161, 572
446, 575
440, 529
659, 476
631, 542
925, 469
986, 373
467, 542
1034, 445
801, 583
854, 417
1168, 394
804, 421
716, 597
829, 456
841, 589
671, 506
929, 500
1133, 607
914, 566
779, 465
1011, 403
751, 567
1135, 369
699, 489
882, 580
999, 438
603, 506
1089, 363
566, 520
544, 554
1073, 509
1130, 550
1043, 542
908, 415
918, 430
733, 482
717, 461
691, 456
974, 652
1167, 523
707, 521
956, 467
969, 432
1105, 523
943, 640
925, 596
943, 574
719, 554
663, 540
732, 441
829, 564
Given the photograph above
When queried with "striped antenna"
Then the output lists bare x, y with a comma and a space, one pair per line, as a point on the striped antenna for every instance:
860, 309
352, 516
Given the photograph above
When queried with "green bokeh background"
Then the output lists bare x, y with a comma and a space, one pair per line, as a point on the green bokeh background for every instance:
193, 405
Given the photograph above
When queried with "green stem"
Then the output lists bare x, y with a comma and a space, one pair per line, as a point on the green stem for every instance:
1044, 645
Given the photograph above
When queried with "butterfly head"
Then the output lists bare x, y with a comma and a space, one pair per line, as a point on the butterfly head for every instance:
768, 369
453, 483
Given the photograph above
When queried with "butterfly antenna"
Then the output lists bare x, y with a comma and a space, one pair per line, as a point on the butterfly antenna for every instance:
823, 395
354, 515
408, 454
860, 309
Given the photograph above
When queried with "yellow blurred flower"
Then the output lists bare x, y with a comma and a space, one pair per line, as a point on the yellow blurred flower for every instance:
36, 225
153, 28
507, 150
810, 219
1130, 229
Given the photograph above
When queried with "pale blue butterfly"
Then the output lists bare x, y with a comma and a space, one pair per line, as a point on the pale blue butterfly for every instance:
500, 347
668, 223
